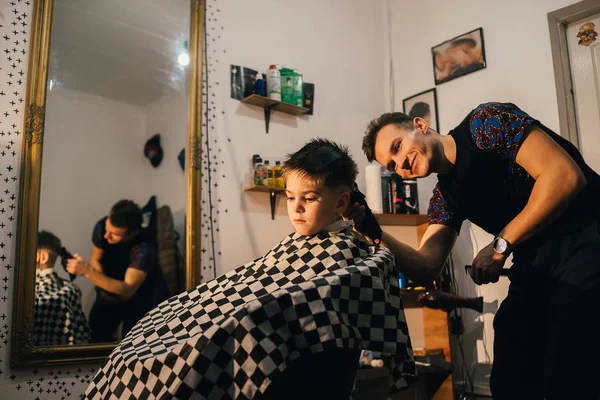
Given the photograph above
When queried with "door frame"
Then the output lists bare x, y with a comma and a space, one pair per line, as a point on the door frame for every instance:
558, 22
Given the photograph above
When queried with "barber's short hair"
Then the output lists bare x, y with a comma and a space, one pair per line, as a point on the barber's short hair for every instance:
126, 214
324, 162
398, 119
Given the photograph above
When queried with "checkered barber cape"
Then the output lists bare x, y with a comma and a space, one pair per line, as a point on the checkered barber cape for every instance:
228, 337
58, 317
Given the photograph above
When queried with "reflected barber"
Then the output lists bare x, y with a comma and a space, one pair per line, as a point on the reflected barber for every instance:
125, 271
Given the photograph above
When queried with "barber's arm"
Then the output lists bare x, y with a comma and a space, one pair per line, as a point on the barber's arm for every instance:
558, 179
95, 258
124, 289
422, 265
425, 264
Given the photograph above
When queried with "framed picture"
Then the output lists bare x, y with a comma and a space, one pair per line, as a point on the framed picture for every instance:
423, 105
459, 56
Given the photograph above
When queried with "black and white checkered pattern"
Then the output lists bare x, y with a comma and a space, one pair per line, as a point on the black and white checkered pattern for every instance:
228, 337
58, 317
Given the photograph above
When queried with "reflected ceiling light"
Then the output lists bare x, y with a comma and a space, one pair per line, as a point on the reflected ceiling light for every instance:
183, 59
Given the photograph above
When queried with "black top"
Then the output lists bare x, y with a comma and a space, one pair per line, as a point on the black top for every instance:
135, 253
487, 186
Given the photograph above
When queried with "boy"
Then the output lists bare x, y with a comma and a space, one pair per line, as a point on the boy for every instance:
58, 316
290, 324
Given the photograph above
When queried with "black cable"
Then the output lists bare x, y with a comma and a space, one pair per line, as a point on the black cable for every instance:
458, 315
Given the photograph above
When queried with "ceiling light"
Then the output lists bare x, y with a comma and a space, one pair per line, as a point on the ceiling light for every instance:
184, 59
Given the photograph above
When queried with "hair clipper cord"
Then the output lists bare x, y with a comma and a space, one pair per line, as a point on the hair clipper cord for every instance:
369, 226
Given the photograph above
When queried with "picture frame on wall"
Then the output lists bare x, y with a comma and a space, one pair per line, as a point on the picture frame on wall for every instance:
458, 56
423, 105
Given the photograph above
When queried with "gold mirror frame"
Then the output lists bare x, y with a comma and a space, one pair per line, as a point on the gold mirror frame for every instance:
23, 352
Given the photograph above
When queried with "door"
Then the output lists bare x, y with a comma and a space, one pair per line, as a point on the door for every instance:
583, 45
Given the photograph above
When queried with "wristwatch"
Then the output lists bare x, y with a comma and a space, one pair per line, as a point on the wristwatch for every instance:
502, 246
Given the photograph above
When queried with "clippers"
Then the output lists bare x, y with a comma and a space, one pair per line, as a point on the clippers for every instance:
369, 225
64, 257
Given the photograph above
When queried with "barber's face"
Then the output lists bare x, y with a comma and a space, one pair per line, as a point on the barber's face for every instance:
113, 234
405, 152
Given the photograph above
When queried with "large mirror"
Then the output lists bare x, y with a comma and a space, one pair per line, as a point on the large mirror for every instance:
110, 181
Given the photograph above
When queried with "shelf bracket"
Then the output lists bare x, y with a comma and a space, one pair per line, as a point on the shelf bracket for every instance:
273, 195
267, 118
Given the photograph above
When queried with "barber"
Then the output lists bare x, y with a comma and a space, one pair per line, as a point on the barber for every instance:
506, 172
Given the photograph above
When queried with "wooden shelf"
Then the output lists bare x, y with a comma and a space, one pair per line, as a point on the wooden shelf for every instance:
264, 189
270, 104
401, 219
273, 192
266, 102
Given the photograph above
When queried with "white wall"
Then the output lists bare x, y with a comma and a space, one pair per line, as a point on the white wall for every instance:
168, 116
335, 45
519, 70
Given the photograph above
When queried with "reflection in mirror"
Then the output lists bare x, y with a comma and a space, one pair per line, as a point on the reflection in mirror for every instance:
113, 189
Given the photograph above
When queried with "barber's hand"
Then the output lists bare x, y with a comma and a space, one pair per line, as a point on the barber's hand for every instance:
487, 266
77, 265
355, 212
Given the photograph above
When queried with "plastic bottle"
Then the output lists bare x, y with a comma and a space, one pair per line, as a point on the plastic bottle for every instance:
278, 175
273, 83
402, 281
270, 181
259, 85
298, 89
259, 173
286, 76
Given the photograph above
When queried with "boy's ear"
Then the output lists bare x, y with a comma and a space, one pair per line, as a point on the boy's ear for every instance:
343, 202
42, 256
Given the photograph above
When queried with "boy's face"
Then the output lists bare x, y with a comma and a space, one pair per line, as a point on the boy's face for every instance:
310, 207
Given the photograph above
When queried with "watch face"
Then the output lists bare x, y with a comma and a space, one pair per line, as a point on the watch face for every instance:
500, 245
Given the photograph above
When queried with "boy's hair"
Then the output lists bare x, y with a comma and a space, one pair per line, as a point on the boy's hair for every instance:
126, 214
323, 162
398, 119
49, 241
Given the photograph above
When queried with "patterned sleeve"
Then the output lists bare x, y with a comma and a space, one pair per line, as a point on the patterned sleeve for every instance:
142, 257
441, 213
98, 234
499, 128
